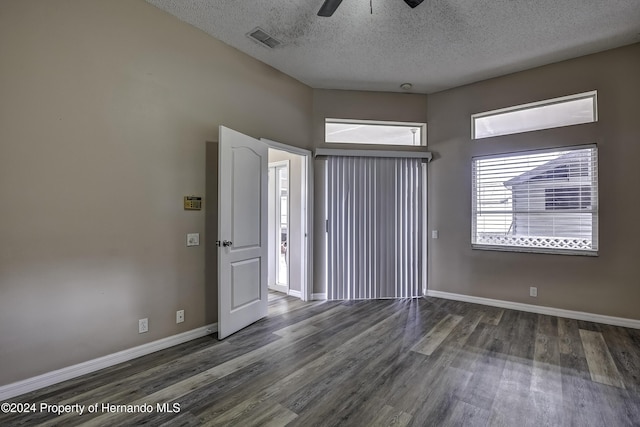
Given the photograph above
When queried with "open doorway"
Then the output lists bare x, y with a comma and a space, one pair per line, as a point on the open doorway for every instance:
288, 222
279, 219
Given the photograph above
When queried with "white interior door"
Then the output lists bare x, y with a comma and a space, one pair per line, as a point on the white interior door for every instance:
242, 228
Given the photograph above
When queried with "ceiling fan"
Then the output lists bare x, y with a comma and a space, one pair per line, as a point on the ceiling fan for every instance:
330, 6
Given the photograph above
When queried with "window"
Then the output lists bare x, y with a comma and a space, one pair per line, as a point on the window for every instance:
567, 198
374, 132
551, 113
539, 201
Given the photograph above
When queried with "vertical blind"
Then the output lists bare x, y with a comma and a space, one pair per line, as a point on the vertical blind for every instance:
374, 228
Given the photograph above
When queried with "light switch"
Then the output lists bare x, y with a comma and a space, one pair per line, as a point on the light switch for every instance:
193, 239
434, 234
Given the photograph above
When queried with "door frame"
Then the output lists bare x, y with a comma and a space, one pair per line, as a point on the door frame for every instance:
276, 285
306, 278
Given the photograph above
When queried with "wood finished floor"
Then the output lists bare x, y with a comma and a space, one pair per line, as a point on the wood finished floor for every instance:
421, 362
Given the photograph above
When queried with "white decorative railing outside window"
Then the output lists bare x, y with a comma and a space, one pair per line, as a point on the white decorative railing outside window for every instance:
543, 242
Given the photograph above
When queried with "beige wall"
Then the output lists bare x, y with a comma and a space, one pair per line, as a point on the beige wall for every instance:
608, 284
296, 233
345, 104
359, 105
104, 114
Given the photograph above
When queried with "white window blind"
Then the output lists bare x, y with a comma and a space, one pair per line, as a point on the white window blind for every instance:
543, 201
375, 227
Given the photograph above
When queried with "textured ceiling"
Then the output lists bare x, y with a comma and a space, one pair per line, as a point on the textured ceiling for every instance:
438, 45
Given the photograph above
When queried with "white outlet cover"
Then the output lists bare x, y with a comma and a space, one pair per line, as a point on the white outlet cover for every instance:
193, 239
179, 316
143, 325
434, 234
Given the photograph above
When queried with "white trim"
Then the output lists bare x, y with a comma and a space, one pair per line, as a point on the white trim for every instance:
307, 268
373, 153
590, 94
279, 163
294, 293
279, 288
374, 122
284, 147
584, 95
307, 279
527, 152
533, 250
277, 218
422, 126
539, 309
50, 378
319, 297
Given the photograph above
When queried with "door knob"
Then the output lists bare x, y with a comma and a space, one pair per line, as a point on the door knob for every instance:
226, 243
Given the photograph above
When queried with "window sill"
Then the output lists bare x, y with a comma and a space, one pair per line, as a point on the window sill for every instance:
524, 249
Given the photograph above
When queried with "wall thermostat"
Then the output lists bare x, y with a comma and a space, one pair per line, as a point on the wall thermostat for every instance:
192, 203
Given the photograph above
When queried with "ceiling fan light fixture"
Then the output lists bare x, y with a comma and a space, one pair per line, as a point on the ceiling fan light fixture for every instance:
328, 7
406, 86
413, 3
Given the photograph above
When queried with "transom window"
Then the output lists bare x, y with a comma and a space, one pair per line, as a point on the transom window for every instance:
343, 131
551, 113
539, 201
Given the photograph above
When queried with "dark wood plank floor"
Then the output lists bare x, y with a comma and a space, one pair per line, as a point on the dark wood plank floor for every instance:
420, 362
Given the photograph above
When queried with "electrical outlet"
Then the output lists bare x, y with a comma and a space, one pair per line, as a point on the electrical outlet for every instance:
143, 325
434, 234
533, 291
179, 316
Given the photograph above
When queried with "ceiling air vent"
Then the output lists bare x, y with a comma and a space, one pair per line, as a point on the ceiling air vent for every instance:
260, 36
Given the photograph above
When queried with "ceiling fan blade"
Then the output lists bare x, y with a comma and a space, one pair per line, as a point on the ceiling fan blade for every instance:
413, 3
329, 7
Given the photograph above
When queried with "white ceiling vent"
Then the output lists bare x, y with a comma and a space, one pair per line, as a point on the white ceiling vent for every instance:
260, 36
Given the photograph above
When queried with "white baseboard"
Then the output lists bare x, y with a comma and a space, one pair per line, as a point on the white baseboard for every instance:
318, 297
279, 288
30, 384
296, 294
539, 309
